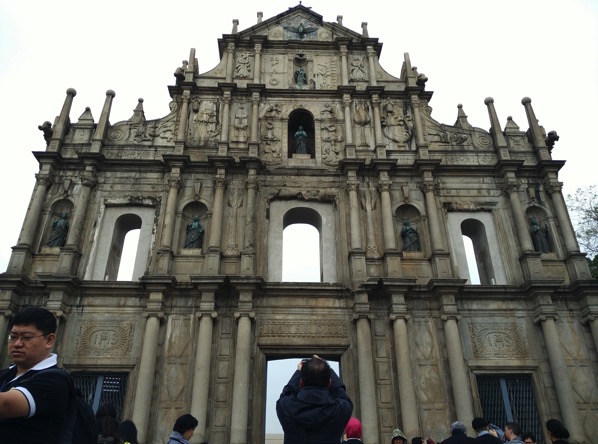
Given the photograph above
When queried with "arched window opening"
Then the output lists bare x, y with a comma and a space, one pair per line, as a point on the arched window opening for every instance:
476, 231
278, 374
127, 259
301, 134
301, 254
474, 276
123, 225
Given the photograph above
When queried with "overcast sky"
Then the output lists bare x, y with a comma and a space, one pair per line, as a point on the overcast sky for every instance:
469, 49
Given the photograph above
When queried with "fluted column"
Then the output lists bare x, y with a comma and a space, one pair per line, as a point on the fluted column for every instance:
561, 378
390, 242
201, 374
183, 119
407, 397
147, 369
429, 188
420, 138
74, 233
257, 67
240, 401
371, 59
367, 387
520, 223
344, 66
562, 216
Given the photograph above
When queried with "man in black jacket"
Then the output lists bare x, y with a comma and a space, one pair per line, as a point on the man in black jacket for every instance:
314, 406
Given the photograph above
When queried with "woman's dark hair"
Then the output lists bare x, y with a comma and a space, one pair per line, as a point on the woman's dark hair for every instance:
127, 432
557, 429
184, 423
107, 421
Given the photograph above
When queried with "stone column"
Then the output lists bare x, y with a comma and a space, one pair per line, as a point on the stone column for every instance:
257, 67
458, 369
217, 213
226, 97
407, 397
230, 51
420, 138
522, 227
344, 66
145, 378
255, 102
174, 185
377, 122
201, 374
348, 124
390, 242
367, 387
429, 187
371, 59
182, 128
562, 380
4, 321
35, 207
248, 252
240, 401
560, 209
352, 187
535, 132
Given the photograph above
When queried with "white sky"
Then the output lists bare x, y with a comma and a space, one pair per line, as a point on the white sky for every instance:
469, 49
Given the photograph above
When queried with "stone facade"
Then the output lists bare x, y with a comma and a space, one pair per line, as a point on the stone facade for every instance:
196, 327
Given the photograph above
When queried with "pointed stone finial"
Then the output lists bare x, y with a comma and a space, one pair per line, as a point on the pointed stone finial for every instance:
235, 25
86, 117
260, 16
364, 29
339, 19
138, 113
462, 118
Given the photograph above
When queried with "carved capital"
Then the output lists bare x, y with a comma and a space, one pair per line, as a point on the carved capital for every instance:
370, 51
230, 48
554, 188
367, 316
344, 51
430, 186
257, 48
89, 182
538, 319
384, 187
451, 316
510, 187
44, 180
241, 314
396, 316
251, 183
352, 186
211, 314
154, 314
220, 183
175, 182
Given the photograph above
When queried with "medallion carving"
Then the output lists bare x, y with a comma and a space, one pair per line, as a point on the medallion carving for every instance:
496, 340
113, 339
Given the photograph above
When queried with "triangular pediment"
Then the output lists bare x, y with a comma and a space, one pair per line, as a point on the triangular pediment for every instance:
297, 24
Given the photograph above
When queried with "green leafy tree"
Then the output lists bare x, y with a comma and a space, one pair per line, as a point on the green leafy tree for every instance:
583, 207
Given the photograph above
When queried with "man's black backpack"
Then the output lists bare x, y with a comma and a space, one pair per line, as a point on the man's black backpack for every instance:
81, 426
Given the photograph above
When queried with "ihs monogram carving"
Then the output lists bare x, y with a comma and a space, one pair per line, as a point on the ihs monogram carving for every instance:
104, 339
303, 328
498, 340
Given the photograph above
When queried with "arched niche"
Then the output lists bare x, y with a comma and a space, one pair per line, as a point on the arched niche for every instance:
305, 119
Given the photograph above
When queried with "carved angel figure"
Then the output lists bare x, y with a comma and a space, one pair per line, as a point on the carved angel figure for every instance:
301, 30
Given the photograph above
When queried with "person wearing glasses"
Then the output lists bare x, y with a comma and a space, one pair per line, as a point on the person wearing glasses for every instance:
33, 406
528, 438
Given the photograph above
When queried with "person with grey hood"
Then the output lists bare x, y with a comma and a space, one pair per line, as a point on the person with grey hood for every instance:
314, 407
458, 435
